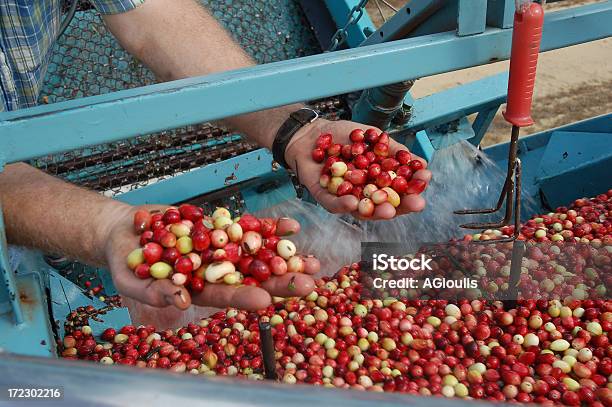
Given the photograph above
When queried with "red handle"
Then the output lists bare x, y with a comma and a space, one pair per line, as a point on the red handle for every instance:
526, 37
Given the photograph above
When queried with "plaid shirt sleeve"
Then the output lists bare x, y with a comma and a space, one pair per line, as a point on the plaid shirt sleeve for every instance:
115, 6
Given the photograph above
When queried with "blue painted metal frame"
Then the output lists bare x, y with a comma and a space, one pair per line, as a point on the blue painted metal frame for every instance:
533, 148
339, 10
484, 95
33, 336
580, 159
472, 17
444, 19
67, 125
481, 124
422, 146
600, 124
500, 13
450, 133
454, 103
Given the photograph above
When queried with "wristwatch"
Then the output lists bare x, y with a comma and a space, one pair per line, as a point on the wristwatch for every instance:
285, 133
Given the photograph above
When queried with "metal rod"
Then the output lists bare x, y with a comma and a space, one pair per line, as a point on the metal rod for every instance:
518, 246
68, 18
382, 15
8, 275
518, 173
390, 5
506, 192
267, 350
517, 203
518, 251
512, 152
378, 106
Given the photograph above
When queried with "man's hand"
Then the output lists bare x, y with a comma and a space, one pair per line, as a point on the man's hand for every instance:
161, 293
298, 156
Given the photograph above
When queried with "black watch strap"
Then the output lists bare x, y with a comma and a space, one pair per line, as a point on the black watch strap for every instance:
285, 133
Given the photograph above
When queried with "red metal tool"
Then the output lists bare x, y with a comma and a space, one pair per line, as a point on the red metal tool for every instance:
526, 36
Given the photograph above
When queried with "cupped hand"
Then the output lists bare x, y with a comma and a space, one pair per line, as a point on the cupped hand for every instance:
122, 239
298, 156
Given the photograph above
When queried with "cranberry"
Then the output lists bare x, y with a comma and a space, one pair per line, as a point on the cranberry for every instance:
318, 155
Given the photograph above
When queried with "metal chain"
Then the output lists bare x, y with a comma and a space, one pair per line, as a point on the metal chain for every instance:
353, 17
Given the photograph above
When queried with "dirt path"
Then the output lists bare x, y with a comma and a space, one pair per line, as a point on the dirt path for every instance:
573, 83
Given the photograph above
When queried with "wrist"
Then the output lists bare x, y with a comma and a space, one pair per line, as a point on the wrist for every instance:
113, 216
304, 138
277, 117
296, 123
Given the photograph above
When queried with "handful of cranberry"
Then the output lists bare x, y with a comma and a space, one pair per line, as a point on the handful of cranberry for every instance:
193, 249
365, 169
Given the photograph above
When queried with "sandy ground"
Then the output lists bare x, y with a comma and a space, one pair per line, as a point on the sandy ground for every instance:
573, 83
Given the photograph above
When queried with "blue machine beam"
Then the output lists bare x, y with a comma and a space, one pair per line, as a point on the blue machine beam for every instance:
404, 21
339, 11
64, 126
472, 17
500, 13
457, 102
481, 124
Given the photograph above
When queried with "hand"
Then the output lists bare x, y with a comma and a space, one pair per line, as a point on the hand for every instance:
298, 156
162, 293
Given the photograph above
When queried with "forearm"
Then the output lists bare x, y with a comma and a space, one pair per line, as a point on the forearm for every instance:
43, 212
179, 39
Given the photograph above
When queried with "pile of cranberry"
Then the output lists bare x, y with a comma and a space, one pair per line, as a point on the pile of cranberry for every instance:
587, 220
567, 253
541, 351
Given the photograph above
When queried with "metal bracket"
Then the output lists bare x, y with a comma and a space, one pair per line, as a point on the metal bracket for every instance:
481, 124
471, 17
500, 13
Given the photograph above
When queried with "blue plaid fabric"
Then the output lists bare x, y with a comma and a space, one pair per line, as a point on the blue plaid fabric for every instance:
28, 29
